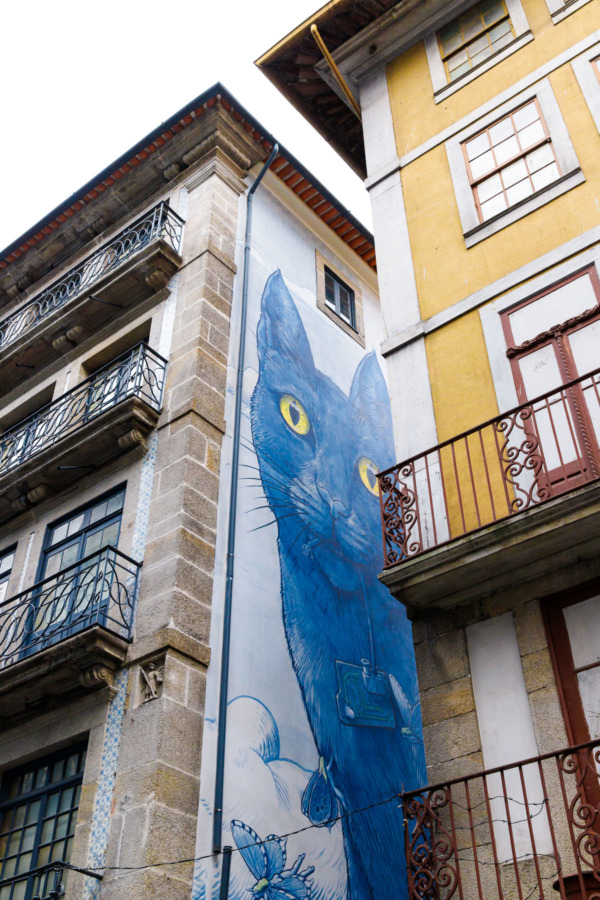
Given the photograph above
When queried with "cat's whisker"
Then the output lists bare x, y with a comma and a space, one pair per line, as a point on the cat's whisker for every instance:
274, 522
271, 507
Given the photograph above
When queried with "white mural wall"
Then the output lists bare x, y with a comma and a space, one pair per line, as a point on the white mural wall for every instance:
323, 727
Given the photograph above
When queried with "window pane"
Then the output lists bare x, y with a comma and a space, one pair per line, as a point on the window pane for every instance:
519, 191
60, 533
539, 158
545, 176
525, 115
506, 150
501, 131
513, 173
532, 134
75, 524
477, 146
98, 512
6, 562
482, 165
57, 770
41, 777
460, 71
489, 188
492, 207
33, 812
501, 40
115, 503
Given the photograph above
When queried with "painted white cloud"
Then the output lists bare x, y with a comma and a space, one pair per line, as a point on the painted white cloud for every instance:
265, 791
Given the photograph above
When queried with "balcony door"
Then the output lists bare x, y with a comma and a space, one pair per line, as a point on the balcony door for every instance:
573, 623
554, 339
76, 571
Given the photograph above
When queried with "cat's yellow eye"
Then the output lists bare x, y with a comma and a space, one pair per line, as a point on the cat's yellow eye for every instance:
294, 414
368, 474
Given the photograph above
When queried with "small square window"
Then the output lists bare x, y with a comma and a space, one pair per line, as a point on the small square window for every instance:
339, 299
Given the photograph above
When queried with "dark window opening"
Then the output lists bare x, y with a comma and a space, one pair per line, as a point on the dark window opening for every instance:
340, 298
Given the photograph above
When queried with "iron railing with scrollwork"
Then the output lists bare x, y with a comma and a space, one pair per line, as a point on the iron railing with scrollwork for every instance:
160, 223
98, 590
525, 830
138, 373
509, 464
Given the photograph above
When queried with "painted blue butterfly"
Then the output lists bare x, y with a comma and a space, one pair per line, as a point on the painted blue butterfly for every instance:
266, 861
319, 802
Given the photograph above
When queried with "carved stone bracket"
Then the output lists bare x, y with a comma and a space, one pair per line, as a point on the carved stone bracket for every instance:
96, 677
131, 439
157, 279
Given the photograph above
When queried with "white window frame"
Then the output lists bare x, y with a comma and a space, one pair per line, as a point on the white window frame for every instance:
559, 9
442, 88
589, 82
474, 230
493, 331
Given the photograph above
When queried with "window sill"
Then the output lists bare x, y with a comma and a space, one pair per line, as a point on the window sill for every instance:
520, 41
524, 208
566, 10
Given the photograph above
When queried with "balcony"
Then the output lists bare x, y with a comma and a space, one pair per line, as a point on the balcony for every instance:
107, 414
510, 499
68, 633
136, 263
527, 831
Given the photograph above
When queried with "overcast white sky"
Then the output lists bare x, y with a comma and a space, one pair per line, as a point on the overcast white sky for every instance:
84, 81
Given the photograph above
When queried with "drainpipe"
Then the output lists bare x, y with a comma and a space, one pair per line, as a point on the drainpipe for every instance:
233, 491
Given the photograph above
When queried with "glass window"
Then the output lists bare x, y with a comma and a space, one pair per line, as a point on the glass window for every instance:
76, 572
474, 36
38, 810
510, 160
6, 563
340, 298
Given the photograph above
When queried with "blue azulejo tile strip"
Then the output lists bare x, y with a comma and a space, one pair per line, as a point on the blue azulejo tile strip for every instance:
106, 781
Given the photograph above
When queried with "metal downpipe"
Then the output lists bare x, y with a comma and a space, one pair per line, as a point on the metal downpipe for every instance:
233, 491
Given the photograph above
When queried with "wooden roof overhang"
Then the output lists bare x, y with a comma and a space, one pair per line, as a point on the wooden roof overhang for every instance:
291, 66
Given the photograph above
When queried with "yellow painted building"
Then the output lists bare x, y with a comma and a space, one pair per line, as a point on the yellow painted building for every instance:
476, 127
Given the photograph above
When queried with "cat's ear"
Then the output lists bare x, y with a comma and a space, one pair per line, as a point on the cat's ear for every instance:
369, 395
280, 327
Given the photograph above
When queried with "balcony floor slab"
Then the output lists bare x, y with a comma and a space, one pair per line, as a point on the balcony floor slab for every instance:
532, 546
83, 662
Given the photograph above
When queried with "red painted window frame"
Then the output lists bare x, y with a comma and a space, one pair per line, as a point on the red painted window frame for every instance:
576, 473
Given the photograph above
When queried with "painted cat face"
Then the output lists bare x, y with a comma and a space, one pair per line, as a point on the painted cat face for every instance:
319, 449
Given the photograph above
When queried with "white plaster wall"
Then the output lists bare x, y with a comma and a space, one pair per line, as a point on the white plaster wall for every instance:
507, 735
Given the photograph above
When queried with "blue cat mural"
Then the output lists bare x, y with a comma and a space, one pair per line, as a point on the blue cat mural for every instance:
318, 450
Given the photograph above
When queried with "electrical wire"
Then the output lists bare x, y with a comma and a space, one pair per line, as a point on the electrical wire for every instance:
328, 823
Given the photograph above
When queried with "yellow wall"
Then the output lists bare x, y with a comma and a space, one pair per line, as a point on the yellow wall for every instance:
446, 272
417, 117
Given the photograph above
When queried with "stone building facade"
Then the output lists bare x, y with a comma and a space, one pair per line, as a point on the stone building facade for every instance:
115, 343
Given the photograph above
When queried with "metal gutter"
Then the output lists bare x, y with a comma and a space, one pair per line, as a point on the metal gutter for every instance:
233, 492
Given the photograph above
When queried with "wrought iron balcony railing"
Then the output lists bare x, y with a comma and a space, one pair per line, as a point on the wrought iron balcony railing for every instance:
160, 222
526, 831
511, 463
138, 373
99, 590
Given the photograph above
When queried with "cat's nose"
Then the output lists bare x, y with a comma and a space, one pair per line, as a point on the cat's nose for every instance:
338, 508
